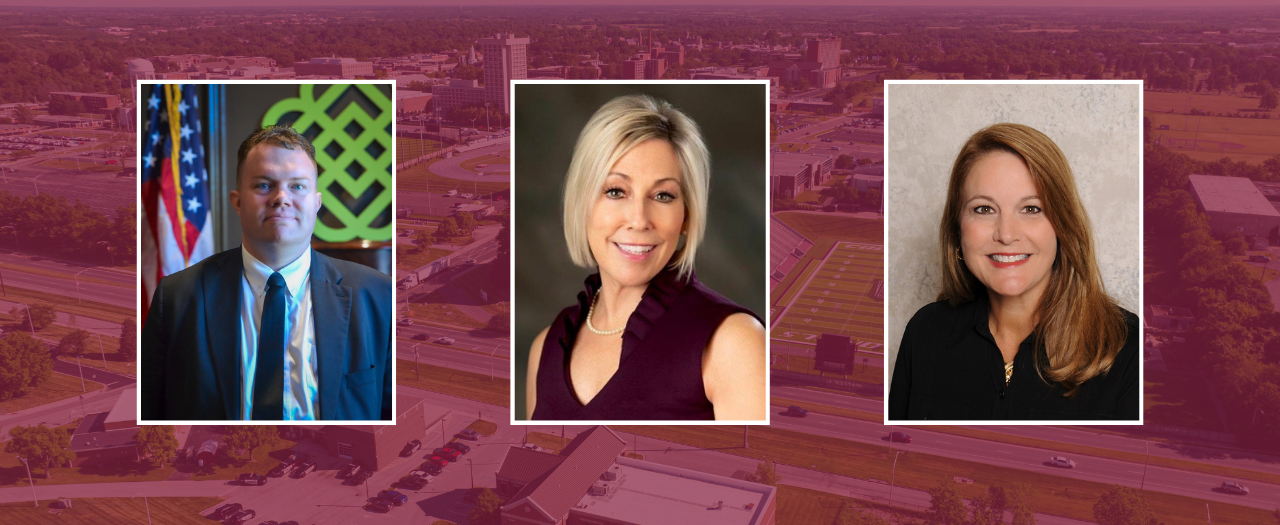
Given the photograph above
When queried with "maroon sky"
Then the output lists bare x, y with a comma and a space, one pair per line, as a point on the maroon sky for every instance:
299, 3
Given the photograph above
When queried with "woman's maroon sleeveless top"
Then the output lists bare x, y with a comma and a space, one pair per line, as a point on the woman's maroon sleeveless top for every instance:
659, 374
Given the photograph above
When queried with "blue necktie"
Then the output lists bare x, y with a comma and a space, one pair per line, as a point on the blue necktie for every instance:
268, 376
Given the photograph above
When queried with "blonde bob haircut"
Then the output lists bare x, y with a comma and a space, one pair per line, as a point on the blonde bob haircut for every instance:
617, 127
1080, 326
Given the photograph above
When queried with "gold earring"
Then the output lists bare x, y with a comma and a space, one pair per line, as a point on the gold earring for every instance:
958, 256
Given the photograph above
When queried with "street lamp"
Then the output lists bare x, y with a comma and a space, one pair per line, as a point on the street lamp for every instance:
147, 503
891, 476
77, 278
107, 245
34, 500
487, 127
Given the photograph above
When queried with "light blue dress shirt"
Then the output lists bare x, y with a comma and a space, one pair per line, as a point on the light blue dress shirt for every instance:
301, 386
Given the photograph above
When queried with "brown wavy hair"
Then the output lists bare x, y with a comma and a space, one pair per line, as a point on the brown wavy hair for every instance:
1080, 326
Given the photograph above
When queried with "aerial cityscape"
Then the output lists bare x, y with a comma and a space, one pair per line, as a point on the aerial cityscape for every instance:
69, 275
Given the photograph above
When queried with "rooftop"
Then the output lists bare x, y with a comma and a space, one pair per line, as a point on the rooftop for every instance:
523, 465
125, 409
786, 163
1231, 195
647, 493
585, 458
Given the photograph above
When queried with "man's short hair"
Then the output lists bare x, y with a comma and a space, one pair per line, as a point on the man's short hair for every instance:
279, 135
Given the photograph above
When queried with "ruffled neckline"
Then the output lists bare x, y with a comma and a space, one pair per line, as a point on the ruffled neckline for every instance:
657, 299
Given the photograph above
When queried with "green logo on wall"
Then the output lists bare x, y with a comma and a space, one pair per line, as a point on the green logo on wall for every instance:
351, 141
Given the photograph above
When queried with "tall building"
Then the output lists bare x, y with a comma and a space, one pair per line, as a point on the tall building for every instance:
826, 51
457, 93
504, 61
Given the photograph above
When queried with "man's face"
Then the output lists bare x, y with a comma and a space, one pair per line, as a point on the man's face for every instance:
277, 198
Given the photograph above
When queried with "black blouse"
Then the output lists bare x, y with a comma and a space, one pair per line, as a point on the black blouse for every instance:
949, 368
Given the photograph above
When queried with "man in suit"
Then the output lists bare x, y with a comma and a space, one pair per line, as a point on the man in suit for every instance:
272, 330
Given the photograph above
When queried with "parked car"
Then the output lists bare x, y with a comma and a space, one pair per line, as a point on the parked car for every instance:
226, 511
466, 195
1061, 462
351, 469
1259, 258
450, 193
241, 517
468, 434
430, 468
304, 469
394, 497
361, 477
1232, 487
445, 340
439, 460
249, 478
899, 437
410, 448
422, 475
282, 469
379, 505
448, 453
795, 411
411, 483
460, 447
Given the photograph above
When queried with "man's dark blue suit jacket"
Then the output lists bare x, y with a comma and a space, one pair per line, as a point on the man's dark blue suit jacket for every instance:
191, 365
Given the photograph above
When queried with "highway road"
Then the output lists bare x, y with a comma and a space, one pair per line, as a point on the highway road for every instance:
451, 167
1108, 471
101, 191
70, 268
435, 203
112, 294
851, 402
496, 364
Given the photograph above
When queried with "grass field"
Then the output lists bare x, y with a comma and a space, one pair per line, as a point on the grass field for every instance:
411, 148
1171, 398
227, 467
829, 410
1210, 138
62, 303
14, 474
1051, 494
503, 158
420, 178
56, 388
99, 346
839, 299
467, 385
794, 147
8, 267
84, 165
410, 257
111, 511
1181, 103
803, 506
445, 314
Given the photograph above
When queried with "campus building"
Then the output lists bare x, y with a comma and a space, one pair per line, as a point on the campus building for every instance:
591, 483
108, 437
825, 51
334, 67
410, 101
504, 61
1234, 204
795, 173
457, 93
93, 102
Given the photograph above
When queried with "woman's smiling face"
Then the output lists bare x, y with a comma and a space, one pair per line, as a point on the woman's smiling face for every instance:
1005, 237
635, 222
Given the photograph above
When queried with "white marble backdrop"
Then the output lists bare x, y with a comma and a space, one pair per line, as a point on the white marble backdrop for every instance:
1098, 128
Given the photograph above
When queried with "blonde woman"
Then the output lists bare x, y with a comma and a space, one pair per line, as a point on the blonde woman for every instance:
646, 340
1023, 329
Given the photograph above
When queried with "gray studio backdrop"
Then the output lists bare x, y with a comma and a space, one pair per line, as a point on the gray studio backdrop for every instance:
1097, 126
548, 118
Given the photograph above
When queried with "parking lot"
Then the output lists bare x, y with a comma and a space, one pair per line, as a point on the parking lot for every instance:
321, 498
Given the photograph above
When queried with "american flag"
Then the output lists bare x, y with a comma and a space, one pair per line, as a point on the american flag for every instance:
175, 187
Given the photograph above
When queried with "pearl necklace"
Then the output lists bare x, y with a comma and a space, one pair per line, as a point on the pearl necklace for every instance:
591, 327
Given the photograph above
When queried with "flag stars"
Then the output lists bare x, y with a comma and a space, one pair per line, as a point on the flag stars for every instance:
153, 102
182, 107
155, 138
193, 205
190, 181
149, 160
186, 132
188, 156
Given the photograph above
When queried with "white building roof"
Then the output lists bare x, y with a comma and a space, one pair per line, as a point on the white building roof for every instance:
1231, 195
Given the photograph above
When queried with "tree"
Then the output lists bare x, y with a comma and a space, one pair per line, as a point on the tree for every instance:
159, 442
73, 343
1269, 100
1122, 506
1235, 244
128, 340
466, 222
487, 509
24, 364
988, 509
423, 239
840, 193
43, 447
1018, 502
65, 106
504, 237
249, 438
24, 115
946, 507
765, 475
34, 317
447, 228
844, 162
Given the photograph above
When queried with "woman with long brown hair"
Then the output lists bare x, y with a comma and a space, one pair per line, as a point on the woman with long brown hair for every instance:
1023, 328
